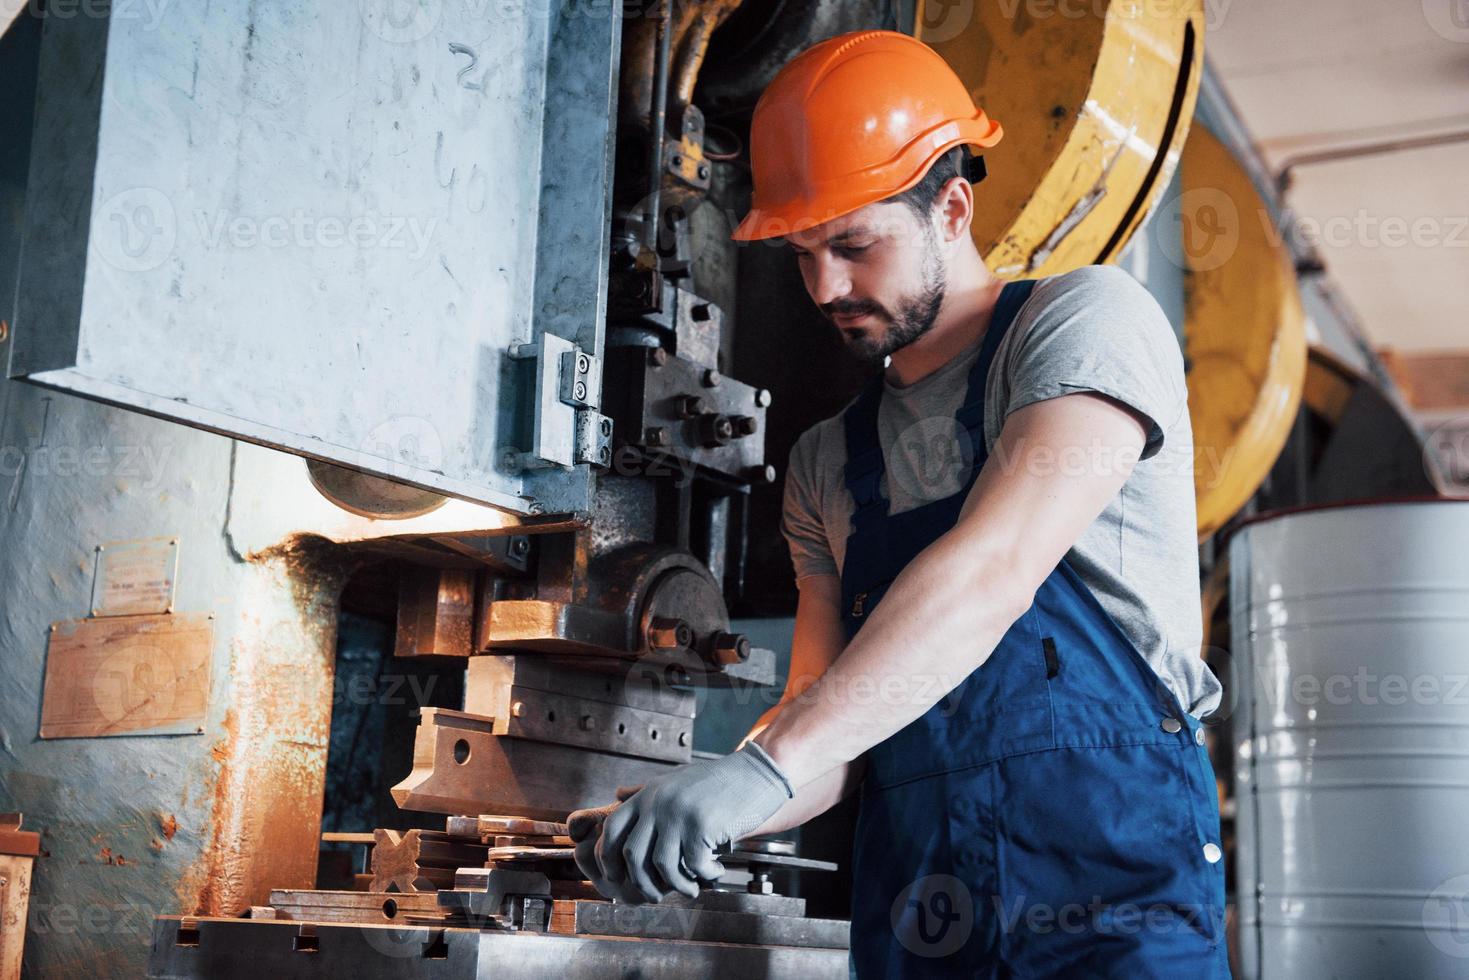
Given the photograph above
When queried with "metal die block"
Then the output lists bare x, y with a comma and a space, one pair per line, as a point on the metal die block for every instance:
637, 686
435, 612
420, 860
338, 906
567, 720
461, 766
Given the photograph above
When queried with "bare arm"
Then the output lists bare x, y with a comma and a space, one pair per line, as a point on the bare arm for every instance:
816, 644
948, 609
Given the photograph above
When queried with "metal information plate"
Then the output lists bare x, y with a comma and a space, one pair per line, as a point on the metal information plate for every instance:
135, 577
121, 675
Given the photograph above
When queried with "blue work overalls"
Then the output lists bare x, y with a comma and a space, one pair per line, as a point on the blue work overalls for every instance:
1054, 815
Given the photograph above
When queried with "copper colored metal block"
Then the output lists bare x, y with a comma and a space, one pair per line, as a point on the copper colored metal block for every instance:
412, 861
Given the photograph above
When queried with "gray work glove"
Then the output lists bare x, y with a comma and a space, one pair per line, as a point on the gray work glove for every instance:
663, 838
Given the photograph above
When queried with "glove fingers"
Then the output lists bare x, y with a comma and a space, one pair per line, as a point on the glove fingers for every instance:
609, 846
668, 866
702, 863
586, 823
636, 856
586, 860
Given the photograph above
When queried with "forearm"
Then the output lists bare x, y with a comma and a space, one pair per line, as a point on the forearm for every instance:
940, 619
815, 798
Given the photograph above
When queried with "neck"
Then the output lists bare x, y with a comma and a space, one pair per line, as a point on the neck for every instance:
963, 319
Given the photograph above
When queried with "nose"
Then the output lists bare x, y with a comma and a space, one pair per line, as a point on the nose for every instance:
826, 279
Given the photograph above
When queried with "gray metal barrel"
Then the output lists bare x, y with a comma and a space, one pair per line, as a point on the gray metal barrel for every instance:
1351, 632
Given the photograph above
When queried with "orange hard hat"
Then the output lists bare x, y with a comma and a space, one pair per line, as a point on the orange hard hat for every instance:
851, 121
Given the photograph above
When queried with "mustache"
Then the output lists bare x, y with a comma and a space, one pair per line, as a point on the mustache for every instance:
853, 307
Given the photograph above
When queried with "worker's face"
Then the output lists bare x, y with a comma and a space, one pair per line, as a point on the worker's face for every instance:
878, 274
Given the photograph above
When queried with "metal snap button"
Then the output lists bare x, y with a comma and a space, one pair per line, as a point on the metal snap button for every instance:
1212, 853
1199, 735
1172, 725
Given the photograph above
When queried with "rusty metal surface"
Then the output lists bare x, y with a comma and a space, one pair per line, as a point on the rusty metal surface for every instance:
271, 758
15, 896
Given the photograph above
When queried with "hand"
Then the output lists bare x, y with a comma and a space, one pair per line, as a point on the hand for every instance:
585, 829
663, 838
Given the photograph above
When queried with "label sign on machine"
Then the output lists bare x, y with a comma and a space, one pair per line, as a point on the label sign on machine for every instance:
135, 577
121, 675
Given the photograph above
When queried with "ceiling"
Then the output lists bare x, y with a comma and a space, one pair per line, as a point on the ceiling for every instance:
1322, 75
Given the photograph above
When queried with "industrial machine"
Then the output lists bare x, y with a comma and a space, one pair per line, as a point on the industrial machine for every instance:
451, 284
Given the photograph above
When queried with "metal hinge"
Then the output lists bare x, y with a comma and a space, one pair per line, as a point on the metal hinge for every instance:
566, 427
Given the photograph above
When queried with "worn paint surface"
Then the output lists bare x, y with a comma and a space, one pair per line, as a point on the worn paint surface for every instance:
137, 826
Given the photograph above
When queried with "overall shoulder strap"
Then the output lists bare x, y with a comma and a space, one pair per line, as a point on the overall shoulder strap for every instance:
1007, 307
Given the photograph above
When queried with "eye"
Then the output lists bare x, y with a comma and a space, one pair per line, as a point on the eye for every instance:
851, 250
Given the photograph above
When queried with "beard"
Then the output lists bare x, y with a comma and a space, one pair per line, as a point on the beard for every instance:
914, 316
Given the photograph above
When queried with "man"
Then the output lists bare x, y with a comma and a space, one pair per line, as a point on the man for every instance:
998, 629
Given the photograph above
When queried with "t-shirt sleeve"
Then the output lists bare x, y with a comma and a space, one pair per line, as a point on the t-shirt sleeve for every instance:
1099, 329
801, 520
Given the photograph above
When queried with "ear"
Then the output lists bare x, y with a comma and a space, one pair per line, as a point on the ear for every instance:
953, 209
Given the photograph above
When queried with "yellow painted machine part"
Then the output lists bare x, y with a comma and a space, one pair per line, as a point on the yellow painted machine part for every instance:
1095, 98
1330, 382
1244, 330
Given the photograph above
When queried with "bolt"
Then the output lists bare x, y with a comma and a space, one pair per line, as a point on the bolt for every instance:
657, 357
605, 456
683, 738
4, 330
582, 364
606, 427
762, 397
668, 633
723, 428
711, 378
760, 474
678, 160
703, 171
519, 546
588, 723
655, 435
690, 406
745, 425
731, 648
580, 390
760, 883
517, 709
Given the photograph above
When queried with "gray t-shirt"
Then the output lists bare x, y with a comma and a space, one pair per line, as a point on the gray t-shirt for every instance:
1092, 329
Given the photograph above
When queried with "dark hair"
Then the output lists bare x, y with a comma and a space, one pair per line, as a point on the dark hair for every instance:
958, 162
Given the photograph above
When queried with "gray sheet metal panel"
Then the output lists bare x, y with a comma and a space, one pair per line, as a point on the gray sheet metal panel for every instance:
322, 229
1352, 738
